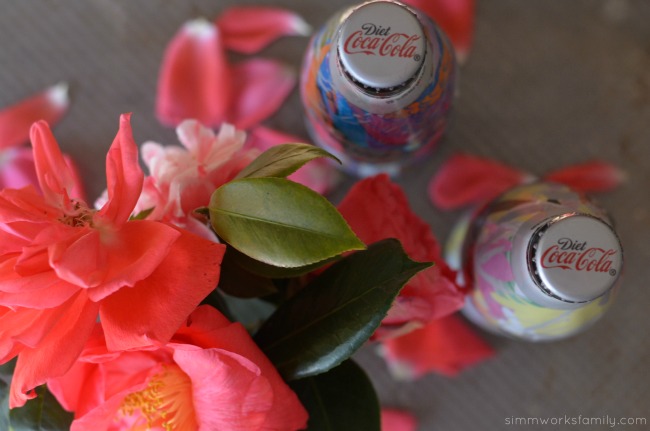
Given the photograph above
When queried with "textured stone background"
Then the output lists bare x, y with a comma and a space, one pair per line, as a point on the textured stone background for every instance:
547, 84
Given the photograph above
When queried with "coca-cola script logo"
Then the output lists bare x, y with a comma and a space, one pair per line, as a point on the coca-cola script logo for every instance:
575, 255
374, 39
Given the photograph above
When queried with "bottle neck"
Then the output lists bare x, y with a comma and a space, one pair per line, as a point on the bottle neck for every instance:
382, 57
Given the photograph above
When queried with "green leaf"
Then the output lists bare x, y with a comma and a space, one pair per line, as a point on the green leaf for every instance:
282, 160
42, 413
267, 271
328, 320
343, 399
236, 280
6, 372
142, 214
279, 222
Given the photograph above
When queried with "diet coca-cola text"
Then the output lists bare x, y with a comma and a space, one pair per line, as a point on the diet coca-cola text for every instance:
374, 39
575, 255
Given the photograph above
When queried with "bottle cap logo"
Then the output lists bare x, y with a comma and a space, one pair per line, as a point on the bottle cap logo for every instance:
576, 258
381, 45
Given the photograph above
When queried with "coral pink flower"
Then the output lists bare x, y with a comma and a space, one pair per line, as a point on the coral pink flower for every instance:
16, 162
320, 175
62, 264
249, 29
196, 80
397, 420
446, 346
211, 376
376, 208
182, 179
455, 17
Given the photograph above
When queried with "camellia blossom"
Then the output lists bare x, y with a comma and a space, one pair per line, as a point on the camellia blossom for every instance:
210, 376
182, 179
446, 346
17, 161
471, 180
376, 208
197, 81
455, 17
62, 264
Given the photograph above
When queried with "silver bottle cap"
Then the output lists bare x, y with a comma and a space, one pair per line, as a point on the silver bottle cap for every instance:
381, 46
575, 258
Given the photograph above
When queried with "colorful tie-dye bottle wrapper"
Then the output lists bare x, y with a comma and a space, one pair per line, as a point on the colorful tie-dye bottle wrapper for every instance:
541, 262
377, 85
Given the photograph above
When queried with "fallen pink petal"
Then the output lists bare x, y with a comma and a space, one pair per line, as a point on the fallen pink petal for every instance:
397, 420
49, 105
445, 346
465, 180
455, 17
194, 79
249, 29
261, 87
588, 177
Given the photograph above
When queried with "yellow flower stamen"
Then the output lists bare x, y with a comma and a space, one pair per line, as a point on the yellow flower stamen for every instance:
166, 402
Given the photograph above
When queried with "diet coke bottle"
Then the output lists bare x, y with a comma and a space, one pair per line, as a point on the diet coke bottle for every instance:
542, 262
377, 84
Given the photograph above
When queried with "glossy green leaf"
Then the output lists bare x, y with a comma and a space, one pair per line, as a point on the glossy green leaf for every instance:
279, 222
43, 413
237, 280
327, 321
282, 160
265, 270
343, 399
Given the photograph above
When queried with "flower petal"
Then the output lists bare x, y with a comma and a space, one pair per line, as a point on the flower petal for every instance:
153, 309
124, 177
376, 208
397, 420
106, 262
15, 121
194, 80
470, 180
593, 176
207, 328
319, 175
57, 351
260, 86
17, 168
248, 29
54, 176
455, 17
226, 386
445, 346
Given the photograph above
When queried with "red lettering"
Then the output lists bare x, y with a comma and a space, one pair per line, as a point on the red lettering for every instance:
591, 260
395, 45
